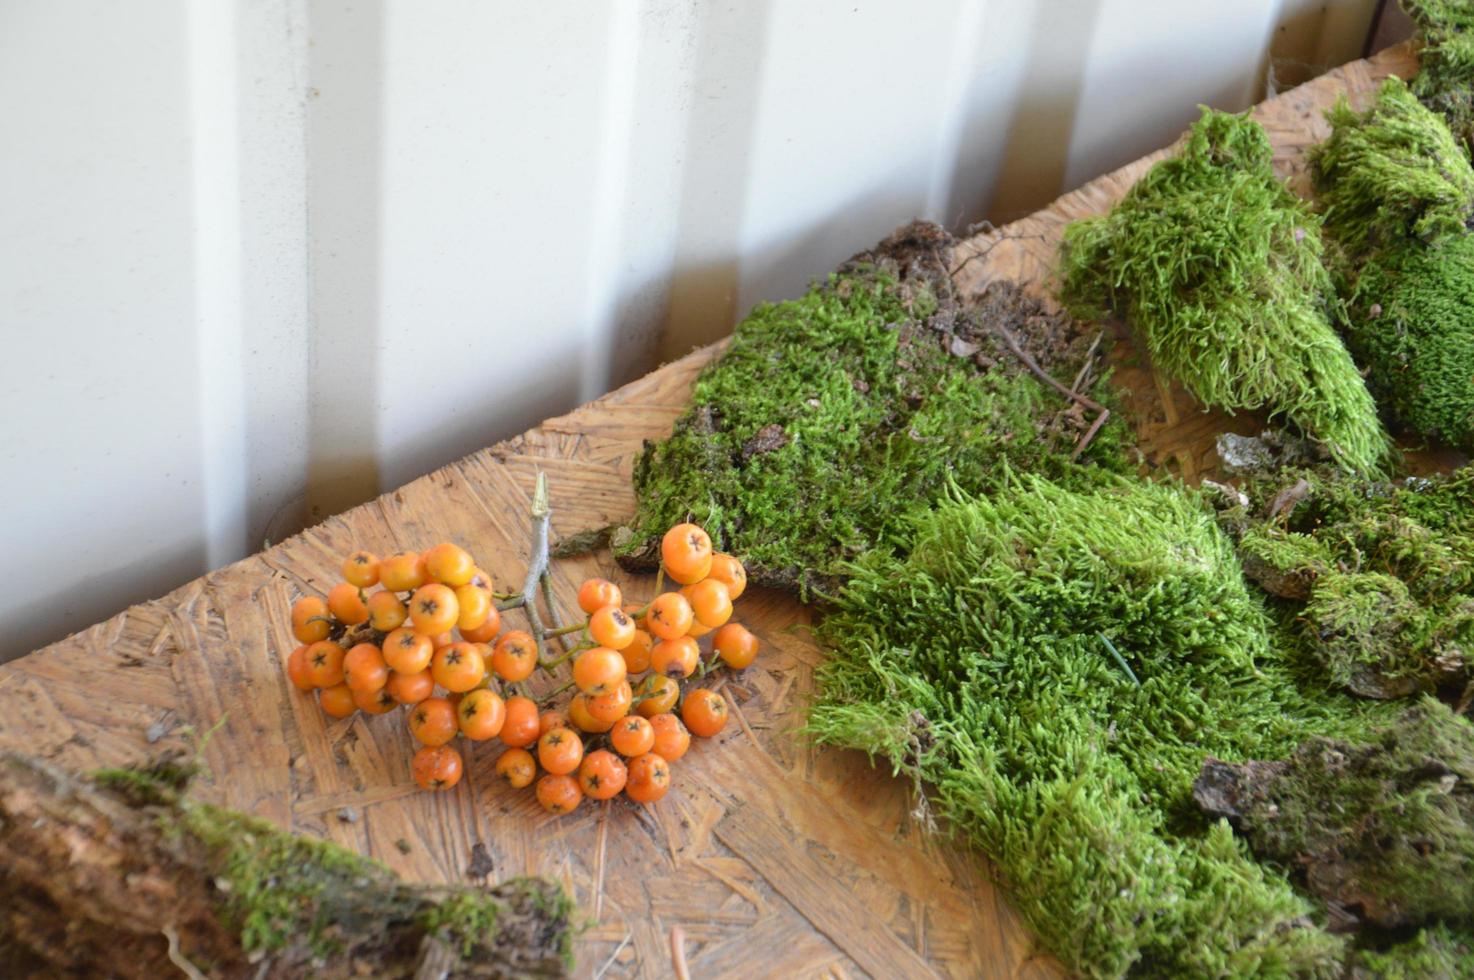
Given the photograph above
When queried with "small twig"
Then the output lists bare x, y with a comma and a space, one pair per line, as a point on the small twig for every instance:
678, 953
178, 958
1089, 363
1119, 659
1018, 351
1100, 420
613, 956
599, 860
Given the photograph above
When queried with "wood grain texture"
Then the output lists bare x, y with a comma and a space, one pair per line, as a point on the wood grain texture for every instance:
775, 859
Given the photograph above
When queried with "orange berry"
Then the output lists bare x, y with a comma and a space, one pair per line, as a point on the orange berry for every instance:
407, 652
632, 736
437, 767
374, 702
325, 663
729, 571
443, 639
434, 609
361, 569
613, 705
710, 602
671, 738
675, 658
598, 671
403, 572
475, 607
297, 671
580, 718
517, 767
596, 593
735, 645
386, 611
482, 714
520, 729
670, 616
560, 751
450, 564
489, 628
515, 656
647, 779
433, 721
364, 669
612, 627
457, 667
558, 794
658, 695
481, 579
637, 654
697, 630
704, 712
346, 602
687, 553
410, 688
549, 720
601, 775
310, 619
337, 701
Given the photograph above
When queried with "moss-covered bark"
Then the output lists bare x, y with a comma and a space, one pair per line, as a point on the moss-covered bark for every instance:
124, 876
832, 416
1219, 268
1382, 831
978, 665
1377, 578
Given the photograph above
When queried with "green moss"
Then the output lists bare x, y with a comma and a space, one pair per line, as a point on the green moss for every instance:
1379, 577
1219, 268
1410, 320
1391, 173
1446, 72
832, 416
288, 894
1383, 829
1398, 197
975, 665
1435, 952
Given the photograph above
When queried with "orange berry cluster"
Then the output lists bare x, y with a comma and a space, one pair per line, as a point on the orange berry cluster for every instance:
620, 731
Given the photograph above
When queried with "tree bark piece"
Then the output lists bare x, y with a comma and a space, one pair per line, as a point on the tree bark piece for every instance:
121, 875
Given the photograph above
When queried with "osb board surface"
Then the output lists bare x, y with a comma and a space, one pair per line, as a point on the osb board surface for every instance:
775, 859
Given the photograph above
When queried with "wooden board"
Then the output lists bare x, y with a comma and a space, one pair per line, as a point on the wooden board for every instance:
774, 859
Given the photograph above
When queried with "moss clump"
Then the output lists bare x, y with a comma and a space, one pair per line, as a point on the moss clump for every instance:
1436, 952
1398, 197
1390, 174
1378, 577
831, 416
1383, 830
1445, 79
976, 664
1219, 268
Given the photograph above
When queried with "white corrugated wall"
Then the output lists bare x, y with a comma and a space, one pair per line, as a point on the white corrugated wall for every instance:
262, 260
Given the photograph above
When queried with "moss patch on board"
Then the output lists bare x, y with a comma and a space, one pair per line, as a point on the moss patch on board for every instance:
832, 416
1398, 196
1219, 268
981, 664
1375, 581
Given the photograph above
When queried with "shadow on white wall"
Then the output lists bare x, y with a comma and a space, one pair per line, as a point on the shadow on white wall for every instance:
261, 261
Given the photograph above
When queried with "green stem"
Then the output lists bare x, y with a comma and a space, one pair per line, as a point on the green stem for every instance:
1119, 659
